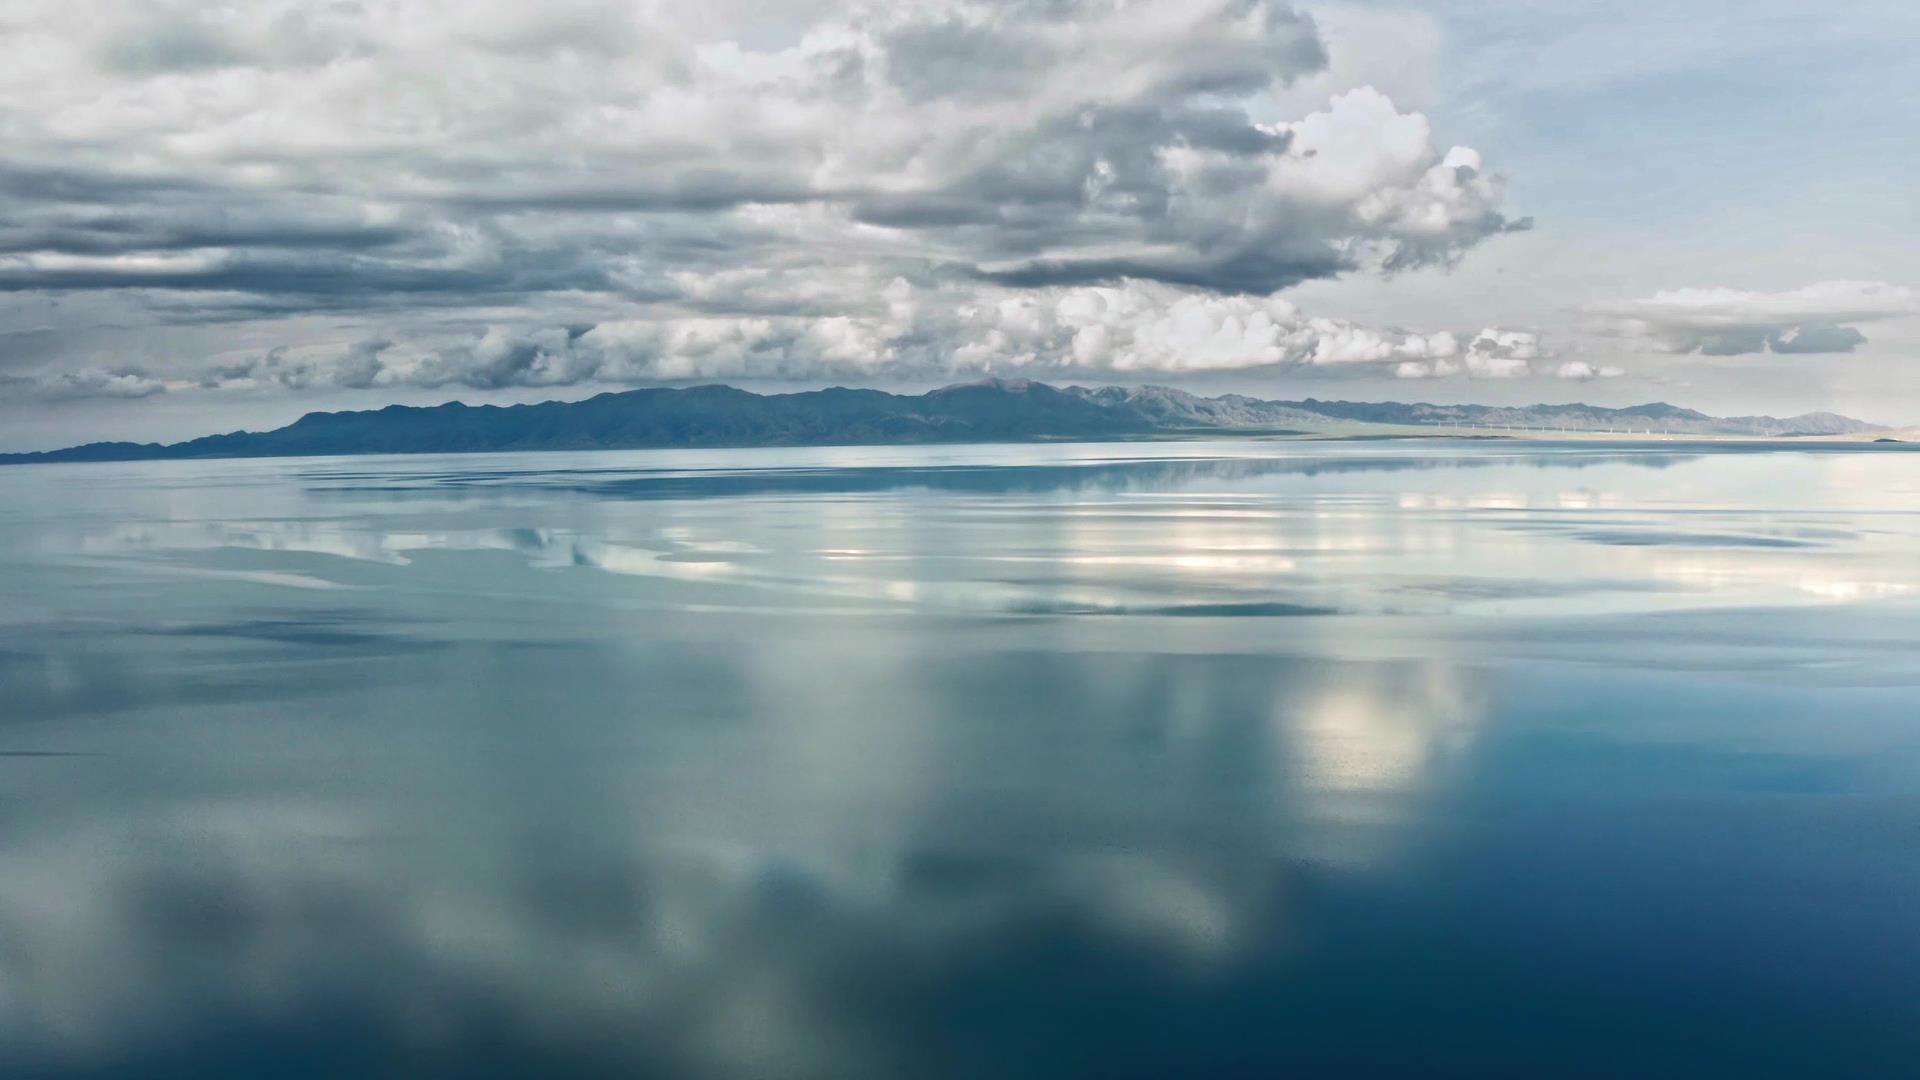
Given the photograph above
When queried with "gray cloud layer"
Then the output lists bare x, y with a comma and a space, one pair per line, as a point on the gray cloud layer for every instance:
1817, 318
692, 191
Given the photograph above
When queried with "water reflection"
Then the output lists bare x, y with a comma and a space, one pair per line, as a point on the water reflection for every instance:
808, 884
1281, 535
1002, 478
1211, 766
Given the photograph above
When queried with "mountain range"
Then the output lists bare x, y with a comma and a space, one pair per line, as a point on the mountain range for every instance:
993, 410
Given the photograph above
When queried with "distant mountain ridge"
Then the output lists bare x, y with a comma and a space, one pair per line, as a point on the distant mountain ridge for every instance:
987, 411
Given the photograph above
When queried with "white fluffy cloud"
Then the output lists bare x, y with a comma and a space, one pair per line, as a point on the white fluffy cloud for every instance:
952, 331
1584, 371
1147, 328
1817, 318
1493, 353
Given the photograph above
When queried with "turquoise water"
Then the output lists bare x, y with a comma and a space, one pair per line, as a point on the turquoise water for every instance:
1198, 759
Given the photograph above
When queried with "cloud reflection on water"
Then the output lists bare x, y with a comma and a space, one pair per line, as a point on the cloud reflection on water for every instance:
1251, 535
822, 907
915, 771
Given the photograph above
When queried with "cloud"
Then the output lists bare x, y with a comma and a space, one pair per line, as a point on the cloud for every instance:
1817, 318
1493, 353
361, 367
403, 166
1583, 371
951, 332
90, 382
1358, 184
358, 367
857, 327
904, 332
1147, 328
1502, 354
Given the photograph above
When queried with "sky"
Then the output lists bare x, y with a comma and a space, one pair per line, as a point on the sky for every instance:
217, 216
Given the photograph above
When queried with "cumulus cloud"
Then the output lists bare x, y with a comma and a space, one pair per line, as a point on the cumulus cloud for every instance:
1357, 184
907, 332
358, 367
704, 178
1817, 318
1142, 327
1583, 371
1493, 353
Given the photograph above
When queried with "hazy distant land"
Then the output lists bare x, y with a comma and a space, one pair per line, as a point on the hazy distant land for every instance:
993, 410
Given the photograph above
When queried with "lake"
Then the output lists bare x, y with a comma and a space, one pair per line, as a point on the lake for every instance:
1425, 757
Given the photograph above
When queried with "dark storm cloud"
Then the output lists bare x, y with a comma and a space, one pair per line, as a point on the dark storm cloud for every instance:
73, 184
1800, 338
121, 232
1816, 338
1235, 271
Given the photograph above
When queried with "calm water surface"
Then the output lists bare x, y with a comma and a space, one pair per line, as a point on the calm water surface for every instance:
1228, 759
